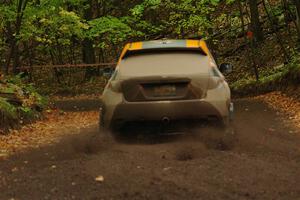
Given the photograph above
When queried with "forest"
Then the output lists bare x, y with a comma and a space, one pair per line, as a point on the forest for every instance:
150, 99
54, 47
43, 32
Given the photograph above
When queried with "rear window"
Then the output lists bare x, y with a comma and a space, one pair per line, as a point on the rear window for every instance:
164, 63
166, 51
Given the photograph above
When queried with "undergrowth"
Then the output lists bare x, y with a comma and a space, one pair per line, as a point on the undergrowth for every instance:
276, 79
19, 102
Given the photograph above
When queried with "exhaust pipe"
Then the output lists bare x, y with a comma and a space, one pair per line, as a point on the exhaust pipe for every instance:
165, 120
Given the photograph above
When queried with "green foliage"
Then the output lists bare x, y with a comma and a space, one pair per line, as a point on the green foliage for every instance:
26, 112
8, 109
139, 9
273, 79
183, 18
55, 26
19, 102
56, 31
110, 30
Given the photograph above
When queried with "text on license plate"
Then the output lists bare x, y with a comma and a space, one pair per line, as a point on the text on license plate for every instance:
165, 90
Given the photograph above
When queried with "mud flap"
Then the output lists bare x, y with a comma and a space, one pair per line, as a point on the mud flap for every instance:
101, 120
231, 111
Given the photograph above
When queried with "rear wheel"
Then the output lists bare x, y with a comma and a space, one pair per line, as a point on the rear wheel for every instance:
104, 129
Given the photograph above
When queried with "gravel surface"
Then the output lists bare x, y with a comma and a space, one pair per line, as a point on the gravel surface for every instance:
261, 161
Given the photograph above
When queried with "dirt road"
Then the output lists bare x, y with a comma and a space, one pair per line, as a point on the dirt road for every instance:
262, 163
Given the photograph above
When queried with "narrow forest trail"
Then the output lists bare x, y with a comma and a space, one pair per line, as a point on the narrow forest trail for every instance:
80, 163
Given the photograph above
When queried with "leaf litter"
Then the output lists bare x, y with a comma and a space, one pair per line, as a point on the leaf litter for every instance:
284, 105
45, 132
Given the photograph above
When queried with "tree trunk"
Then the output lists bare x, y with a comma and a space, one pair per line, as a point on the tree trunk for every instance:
242, 20
14, 43
255, 23
289, 16
57, 73
278, 37
88, 51
29, 56
286, 15
297, 4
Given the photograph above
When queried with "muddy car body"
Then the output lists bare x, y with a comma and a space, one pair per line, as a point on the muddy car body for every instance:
165, 80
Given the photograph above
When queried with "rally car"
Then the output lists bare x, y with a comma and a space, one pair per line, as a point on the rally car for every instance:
166, 80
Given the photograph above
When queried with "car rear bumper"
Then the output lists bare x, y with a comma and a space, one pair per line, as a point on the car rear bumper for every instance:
173, 110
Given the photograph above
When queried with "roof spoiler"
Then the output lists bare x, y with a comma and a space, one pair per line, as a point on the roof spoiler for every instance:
190, 45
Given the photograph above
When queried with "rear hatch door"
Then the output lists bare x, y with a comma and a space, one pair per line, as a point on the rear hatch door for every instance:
164, 76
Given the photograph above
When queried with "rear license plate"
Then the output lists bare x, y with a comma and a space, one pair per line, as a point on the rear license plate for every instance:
165, 90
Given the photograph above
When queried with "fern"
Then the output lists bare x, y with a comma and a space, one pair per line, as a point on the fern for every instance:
7, 109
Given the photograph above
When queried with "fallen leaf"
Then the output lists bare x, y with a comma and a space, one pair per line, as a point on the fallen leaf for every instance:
99, 179
167, 168
14, 169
